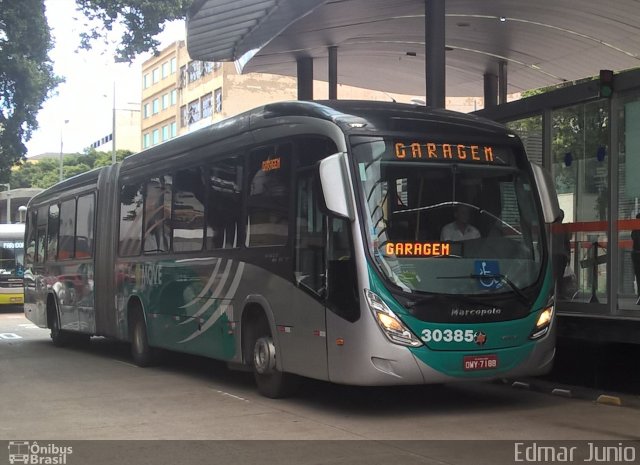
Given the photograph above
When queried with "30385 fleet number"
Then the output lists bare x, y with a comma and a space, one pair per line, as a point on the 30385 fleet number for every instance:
447, 335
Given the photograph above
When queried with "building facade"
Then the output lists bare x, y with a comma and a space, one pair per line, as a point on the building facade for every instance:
127, 132
180, 95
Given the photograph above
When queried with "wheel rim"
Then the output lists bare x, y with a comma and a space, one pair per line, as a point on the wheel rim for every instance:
264, 356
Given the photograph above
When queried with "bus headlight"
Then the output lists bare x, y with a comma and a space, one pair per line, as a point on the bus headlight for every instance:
543, 323
391, 326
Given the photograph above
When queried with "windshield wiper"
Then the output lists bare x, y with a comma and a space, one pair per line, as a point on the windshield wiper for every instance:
499, 276
454, 204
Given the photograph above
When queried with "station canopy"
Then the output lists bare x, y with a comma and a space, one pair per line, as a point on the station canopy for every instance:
381, 43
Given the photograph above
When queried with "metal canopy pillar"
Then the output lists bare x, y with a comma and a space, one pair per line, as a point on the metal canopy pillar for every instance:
502, 82
490, 90
333, 73
434, 53
305, 78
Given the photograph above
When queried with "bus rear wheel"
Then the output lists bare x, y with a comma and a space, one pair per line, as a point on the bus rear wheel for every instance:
143, 355
271, 382
59, 337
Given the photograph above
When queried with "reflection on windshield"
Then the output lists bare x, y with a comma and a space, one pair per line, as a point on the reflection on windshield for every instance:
429, 221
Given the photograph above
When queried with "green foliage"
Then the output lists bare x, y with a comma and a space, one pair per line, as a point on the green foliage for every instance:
26, 75
45, 173
142, 21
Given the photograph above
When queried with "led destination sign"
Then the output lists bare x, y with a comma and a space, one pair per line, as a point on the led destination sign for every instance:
417, 249
431, 151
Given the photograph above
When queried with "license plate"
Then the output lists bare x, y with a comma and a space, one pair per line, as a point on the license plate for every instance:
480, 362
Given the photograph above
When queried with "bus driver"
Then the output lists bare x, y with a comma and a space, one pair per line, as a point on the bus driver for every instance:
460, 229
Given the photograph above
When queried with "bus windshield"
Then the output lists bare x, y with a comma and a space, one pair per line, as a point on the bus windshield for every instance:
448, 219
11, 257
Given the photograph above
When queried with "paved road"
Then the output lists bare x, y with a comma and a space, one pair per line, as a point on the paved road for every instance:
94, 392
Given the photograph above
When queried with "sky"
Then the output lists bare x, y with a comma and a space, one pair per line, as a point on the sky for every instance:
85, 99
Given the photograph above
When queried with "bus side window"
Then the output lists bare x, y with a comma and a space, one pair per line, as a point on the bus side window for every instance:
52, 232
188, 210
84, 231
157, 215
43, 214
268, 203
67, 229
224, 205
310, 236
131, 201
30, 245
342, 285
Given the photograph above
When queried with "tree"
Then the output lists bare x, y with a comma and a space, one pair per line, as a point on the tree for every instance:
45, 173
26, 75
142, 21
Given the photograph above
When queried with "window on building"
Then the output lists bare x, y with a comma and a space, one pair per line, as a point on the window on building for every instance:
131, 201
218, 98
155, 137
67, 229
194, 70
174, 97
188, 210
225, 204
268, 203
84, 229
184, 76
165, 69
207, 109
146, 141
156, 106
165, 101
145, 110
194, 112
165, 133
172, 65
174, 129
207, 67
145, 81
156, 75
184, 116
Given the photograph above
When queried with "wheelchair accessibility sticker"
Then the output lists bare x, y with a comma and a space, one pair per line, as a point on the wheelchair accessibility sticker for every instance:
490, 269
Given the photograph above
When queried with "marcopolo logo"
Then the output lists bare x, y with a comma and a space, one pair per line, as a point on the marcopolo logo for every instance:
38, 454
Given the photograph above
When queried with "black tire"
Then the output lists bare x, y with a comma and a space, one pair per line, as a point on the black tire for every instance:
59, 337
271, 382
142, 354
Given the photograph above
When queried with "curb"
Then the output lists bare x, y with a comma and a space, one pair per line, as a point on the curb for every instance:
577, 392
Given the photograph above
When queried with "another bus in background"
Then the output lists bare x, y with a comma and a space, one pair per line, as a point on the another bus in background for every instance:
11, 265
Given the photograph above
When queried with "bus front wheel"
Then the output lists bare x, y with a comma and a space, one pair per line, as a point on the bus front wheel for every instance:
142, 354
271, 382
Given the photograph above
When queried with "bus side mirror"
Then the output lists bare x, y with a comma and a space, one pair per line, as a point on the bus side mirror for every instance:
334, 183
547, 193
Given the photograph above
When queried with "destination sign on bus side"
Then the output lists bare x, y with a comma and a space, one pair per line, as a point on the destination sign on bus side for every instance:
417, 249
446, 152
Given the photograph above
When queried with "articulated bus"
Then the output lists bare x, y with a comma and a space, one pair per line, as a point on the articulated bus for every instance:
306, 239
11, 265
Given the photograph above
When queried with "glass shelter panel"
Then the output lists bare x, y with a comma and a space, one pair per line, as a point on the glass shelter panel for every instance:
579, 144
530, 132
629, 203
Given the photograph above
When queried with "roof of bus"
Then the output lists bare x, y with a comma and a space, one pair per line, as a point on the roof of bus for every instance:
348, 114
11, 231
352, 116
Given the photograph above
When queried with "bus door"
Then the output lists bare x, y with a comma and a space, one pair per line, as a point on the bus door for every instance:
305, 347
